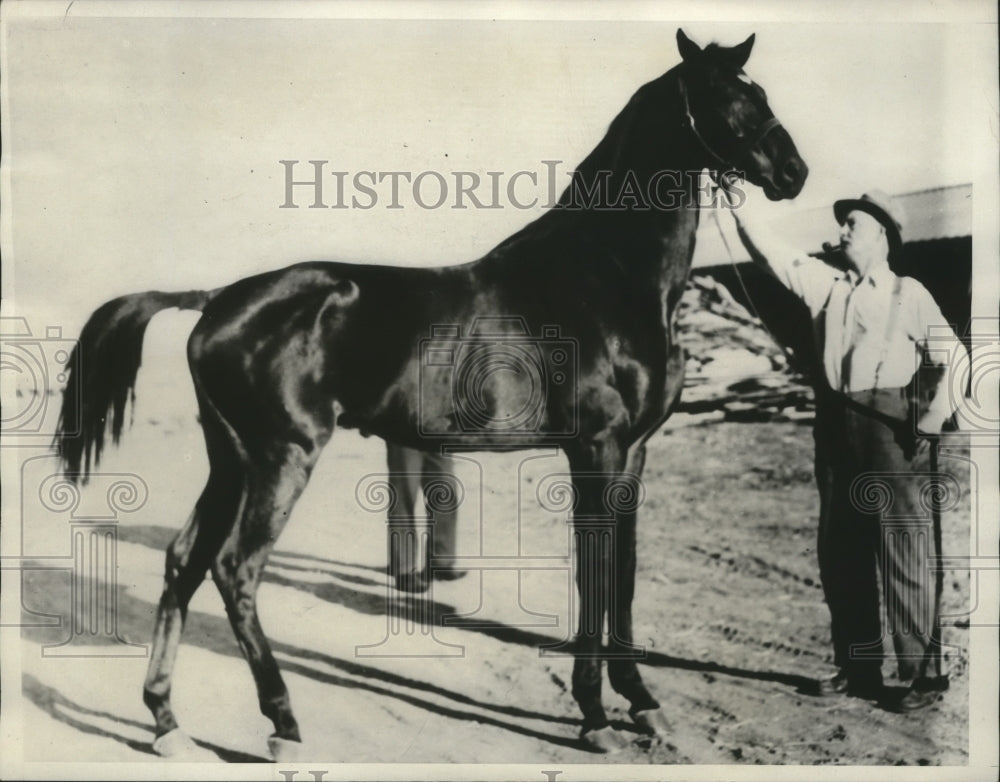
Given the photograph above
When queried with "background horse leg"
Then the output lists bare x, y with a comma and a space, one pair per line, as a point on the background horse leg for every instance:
188, 558
276, 484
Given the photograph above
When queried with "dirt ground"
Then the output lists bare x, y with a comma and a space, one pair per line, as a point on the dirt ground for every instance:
728, 606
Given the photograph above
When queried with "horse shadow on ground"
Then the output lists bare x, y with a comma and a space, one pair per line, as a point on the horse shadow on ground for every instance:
406, 605
213, 634
77, 716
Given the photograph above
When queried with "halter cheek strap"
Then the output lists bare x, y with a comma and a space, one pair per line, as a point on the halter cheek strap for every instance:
746, 145
762, 130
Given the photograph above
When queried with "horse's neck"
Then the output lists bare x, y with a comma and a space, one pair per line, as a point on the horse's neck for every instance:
646, 143
646, 139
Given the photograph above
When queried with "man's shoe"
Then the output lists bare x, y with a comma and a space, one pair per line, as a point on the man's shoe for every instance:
835, 685
861, 683
922, 693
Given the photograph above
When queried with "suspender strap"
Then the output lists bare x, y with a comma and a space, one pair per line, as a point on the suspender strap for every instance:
890, 326
854, 401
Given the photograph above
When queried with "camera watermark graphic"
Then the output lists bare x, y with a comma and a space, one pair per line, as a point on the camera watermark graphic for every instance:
315, 184
498, 380
974, 379
974, 393
32, 370
64, 529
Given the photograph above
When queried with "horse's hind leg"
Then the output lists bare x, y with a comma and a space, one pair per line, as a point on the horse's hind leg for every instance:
188, 558
276, 484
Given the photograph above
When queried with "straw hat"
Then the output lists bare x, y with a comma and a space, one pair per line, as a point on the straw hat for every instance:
882, 207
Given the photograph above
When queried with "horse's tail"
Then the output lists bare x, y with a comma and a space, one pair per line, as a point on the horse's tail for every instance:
101, 374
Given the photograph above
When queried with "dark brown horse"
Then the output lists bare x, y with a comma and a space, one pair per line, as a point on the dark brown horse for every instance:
585, 298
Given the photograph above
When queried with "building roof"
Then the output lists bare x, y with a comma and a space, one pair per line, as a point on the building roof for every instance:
935, 213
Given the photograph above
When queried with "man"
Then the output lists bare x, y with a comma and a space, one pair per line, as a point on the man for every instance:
871, 432
412, 472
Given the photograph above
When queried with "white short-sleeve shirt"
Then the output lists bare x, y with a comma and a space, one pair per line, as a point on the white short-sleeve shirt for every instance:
869, 331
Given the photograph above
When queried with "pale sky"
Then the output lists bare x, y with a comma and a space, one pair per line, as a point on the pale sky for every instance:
143, 153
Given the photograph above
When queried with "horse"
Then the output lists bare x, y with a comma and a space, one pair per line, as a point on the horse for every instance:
421, 357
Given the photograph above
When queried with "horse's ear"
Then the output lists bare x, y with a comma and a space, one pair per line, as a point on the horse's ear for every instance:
738, 55
689, 49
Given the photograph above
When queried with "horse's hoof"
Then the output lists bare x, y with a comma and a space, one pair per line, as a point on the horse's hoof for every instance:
651, 721
178, 745
606, 740
285, 750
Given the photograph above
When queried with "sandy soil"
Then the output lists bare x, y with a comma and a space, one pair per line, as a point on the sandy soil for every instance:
728, 606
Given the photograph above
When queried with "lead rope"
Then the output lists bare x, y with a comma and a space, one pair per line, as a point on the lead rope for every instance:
736, 268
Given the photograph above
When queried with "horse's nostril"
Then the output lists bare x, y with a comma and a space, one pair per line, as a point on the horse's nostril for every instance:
792, 170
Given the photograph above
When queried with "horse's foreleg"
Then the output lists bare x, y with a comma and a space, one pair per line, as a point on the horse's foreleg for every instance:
593, 565
593, 470
622, 669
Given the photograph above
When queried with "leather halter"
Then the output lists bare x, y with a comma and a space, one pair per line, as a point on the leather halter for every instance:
747, 143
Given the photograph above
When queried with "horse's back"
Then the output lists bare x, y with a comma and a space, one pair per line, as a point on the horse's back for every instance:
385, 345
290, 342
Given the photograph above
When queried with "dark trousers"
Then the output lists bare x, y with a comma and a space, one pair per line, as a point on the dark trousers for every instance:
414, 536
878, 518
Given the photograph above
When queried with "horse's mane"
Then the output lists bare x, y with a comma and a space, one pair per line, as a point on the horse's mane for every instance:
606, 155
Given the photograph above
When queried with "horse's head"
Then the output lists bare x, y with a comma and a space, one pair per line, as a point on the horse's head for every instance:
728, 115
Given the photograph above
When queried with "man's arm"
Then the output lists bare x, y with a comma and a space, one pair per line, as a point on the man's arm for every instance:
808, 278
